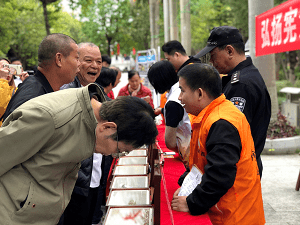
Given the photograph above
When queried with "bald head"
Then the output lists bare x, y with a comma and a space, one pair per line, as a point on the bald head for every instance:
83, 45
90, 63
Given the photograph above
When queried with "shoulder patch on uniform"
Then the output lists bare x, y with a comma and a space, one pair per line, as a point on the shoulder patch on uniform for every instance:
235, 77
239, 102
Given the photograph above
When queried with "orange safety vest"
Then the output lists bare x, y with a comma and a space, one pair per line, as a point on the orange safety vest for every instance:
163, 100
242, 204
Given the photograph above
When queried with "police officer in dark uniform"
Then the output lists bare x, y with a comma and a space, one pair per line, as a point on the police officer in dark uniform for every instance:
242, 83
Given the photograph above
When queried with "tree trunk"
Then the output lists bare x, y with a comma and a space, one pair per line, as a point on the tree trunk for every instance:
265, 64
146, 43
166, 20
185, 25
154, 22
46, 17
293, 63
284, 68
277, 65
173, 20
108, 44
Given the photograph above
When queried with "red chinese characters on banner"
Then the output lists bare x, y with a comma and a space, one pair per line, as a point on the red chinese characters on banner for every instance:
278, 29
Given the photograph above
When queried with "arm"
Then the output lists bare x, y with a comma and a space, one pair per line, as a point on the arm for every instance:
5, 95
158, 111
223, 146
151, 100
170, 138
173, 115
23, 134
146, 95
5, 90
244, 97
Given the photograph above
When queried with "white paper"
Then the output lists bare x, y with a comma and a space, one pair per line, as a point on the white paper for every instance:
130, 216
130, 170
129, 198
130, 182
137, 152
190, 182
132, 161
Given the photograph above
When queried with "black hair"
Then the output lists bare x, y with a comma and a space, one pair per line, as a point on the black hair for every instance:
201, 75
239, 47
107, 77
134, 118
173, 46
106, 58
14, 59
162, 76
53, 44
2, 58
131, 73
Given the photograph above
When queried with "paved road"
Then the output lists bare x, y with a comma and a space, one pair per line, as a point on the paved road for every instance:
281, 200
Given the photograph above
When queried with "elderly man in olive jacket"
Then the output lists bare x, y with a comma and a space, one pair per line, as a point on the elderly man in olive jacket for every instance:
45, 139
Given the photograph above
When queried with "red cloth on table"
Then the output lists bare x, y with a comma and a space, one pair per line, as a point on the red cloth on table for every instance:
172, 169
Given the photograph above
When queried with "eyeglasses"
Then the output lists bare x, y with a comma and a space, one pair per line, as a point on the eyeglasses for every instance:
118, 154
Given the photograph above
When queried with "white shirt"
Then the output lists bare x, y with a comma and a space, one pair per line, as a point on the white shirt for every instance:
96, 172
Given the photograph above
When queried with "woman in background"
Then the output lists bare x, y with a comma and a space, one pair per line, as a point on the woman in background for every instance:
163, 78
135, 88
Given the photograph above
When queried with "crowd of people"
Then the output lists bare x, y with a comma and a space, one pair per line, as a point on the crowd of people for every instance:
54, 127
63, 126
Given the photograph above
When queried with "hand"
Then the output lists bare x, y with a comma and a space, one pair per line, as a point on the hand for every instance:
179, 202
134, 93
23, 76
176, 193
146, 98
4, 73
157, 111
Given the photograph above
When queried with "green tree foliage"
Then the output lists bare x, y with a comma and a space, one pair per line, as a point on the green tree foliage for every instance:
62, 22
288, 61
7, 17
139, 29
83, 4
108, 22
205, 15
277, 2
45, 3
103, 21
239, 15
22, 27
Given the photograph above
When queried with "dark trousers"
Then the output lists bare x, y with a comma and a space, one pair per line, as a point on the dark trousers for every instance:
80, 210
106, 164
100, 201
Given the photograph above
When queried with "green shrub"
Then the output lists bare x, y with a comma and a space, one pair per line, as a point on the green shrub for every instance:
281, 128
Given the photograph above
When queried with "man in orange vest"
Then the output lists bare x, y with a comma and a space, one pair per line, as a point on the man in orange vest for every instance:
243, 84
222, 149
